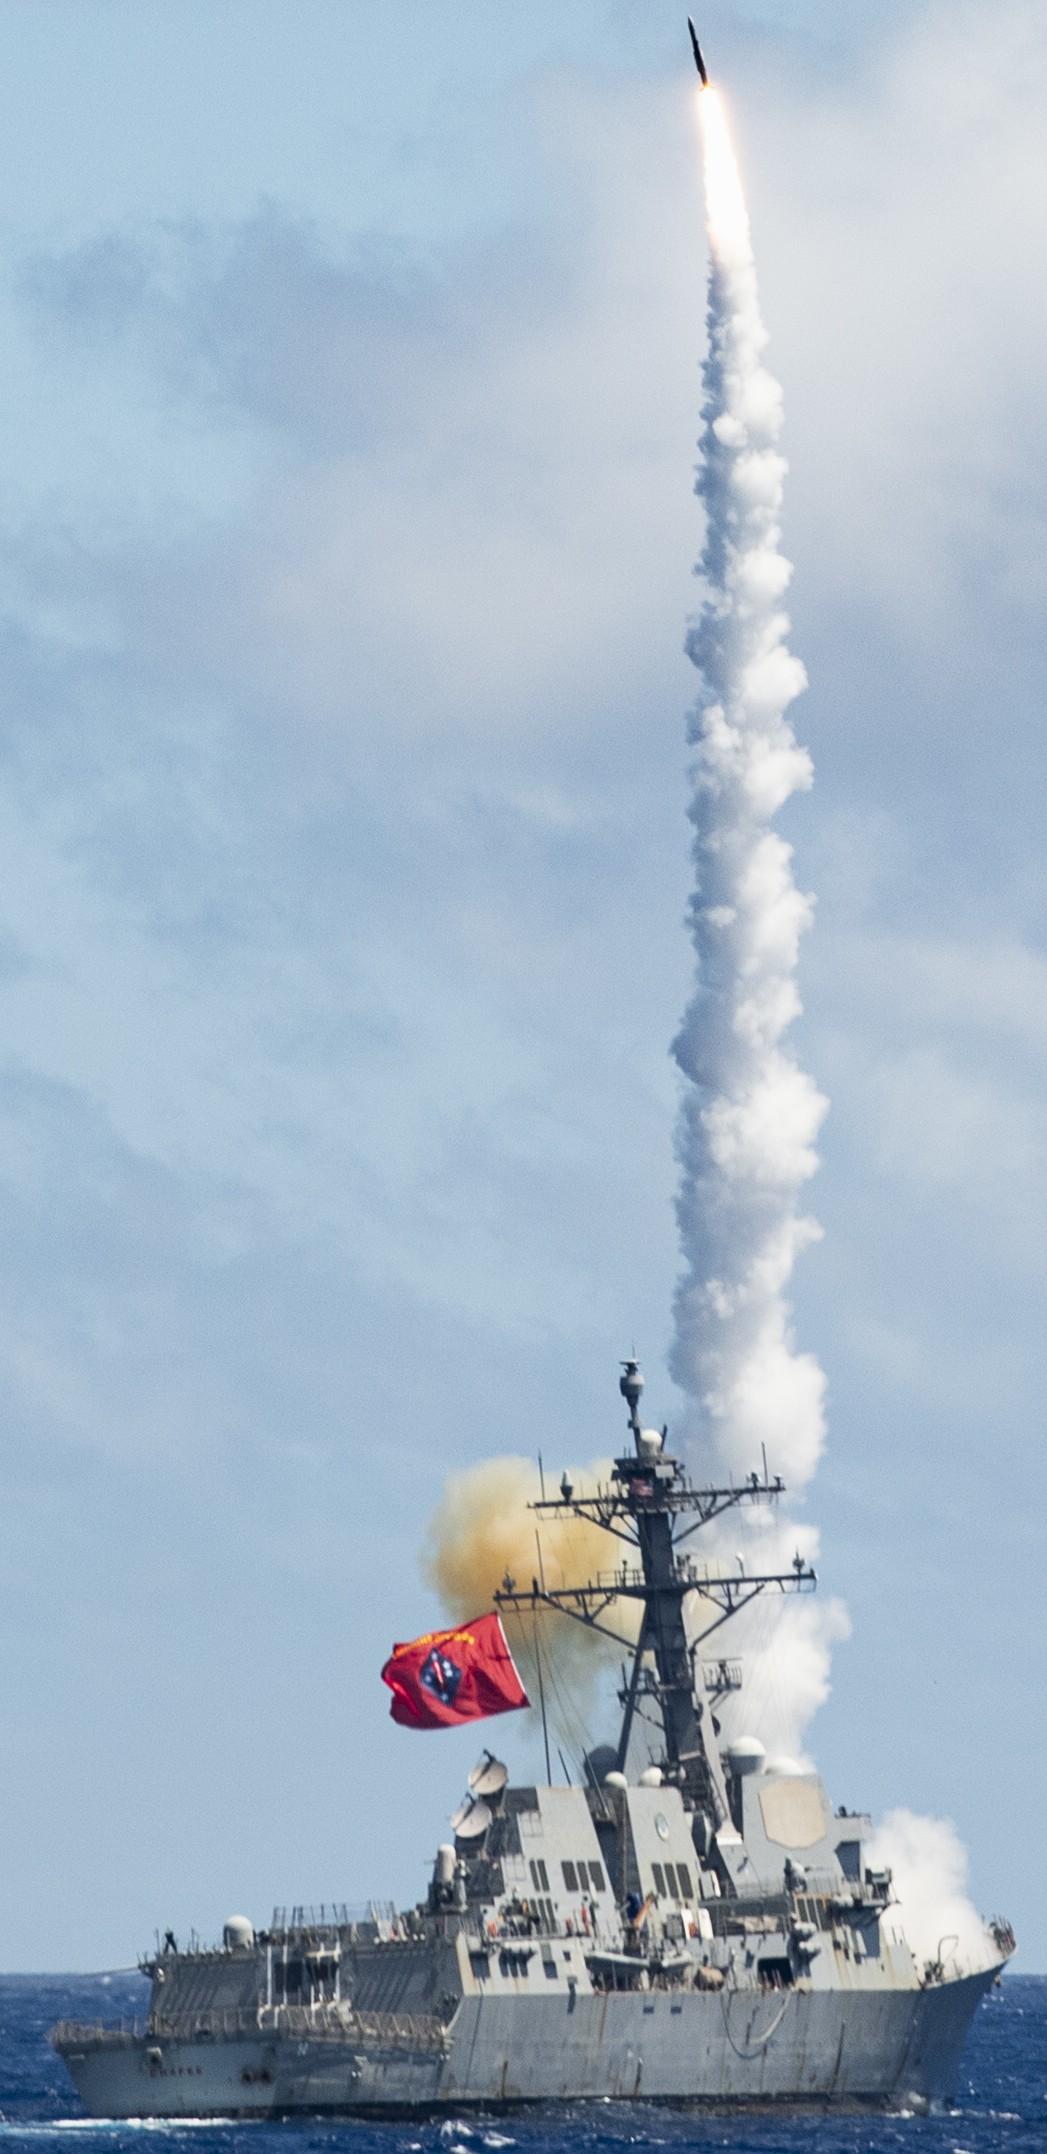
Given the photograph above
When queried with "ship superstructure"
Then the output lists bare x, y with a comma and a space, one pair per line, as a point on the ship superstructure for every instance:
705, 1928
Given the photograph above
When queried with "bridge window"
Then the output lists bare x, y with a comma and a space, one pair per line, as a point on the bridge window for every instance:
658, 1875
683, 1879
570, 1877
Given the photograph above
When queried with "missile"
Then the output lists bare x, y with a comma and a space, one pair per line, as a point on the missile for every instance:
697, 51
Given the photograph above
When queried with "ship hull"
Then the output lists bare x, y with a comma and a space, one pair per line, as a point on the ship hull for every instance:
887, 2049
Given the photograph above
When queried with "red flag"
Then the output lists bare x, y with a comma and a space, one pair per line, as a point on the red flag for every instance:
451, 1676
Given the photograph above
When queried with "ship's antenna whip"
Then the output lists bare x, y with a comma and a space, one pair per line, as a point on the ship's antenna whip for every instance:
541, 1700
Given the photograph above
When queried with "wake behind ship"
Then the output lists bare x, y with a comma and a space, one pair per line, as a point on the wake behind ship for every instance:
705, 1928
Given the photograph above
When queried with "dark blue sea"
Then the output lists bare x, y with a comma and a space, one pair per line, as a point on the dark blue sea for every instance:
1002, 2100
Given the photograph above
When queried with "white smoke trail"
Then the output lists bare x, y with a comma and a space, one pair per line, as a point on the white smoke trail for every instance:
750, 1116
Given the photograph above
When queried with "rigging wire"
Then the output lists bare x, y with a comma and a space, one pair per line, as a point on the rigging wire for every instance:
541, 1698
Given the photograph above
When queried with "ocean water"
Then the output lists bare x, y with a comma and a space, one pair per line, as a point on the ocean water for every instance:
1001, 2104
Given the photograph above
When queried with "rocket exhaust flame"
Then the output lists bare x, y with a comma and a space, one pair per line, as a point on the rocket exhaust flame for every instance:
726, 216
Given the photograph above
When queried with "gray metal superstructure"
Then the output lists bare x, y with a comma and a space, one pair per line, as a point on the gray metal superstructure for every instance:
707, 1929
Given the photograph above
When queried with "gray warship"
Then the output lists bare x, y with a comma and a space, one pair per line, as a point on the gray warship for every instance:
703, 1929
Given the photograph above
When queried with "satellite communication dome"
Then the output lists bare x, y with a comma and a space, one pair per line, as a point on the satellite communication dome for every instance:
746, 1755
785, 1768
651, 1777
650, 1443
238, 1934
615, 1780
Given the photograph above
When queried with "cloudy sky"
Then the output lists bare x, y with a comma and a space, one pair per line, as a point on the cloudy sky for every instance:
348, 401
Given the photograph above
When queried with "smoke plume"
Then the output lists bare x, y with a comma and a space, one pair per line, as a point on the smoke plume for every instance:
750, 1115
930, 1907
483, 1529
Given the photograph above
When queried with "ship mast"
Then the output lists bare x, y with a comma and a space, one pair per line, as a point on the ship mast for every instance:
652, 1507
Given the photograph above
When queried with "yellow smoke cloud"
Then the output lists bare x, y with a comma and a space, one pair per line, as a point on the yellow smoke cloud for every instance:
484, 1529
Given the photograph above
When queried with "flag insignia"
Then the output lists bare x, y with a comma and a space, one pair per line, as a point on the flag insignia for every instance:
451, 1676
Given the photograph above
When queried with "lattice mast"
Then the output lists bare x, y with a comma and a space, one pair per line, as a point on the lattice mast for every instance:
645, 1506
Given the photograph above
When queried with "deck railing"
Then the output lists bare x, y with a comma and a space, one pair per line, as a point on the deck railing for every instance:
334, 1915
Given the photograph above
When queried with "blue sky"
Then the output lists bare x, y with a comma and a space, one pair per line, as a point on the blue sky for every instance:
348, 399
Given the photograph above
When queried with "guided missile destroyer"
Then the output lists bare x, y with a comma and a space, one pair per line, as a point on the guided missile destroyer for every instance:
703, 1929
